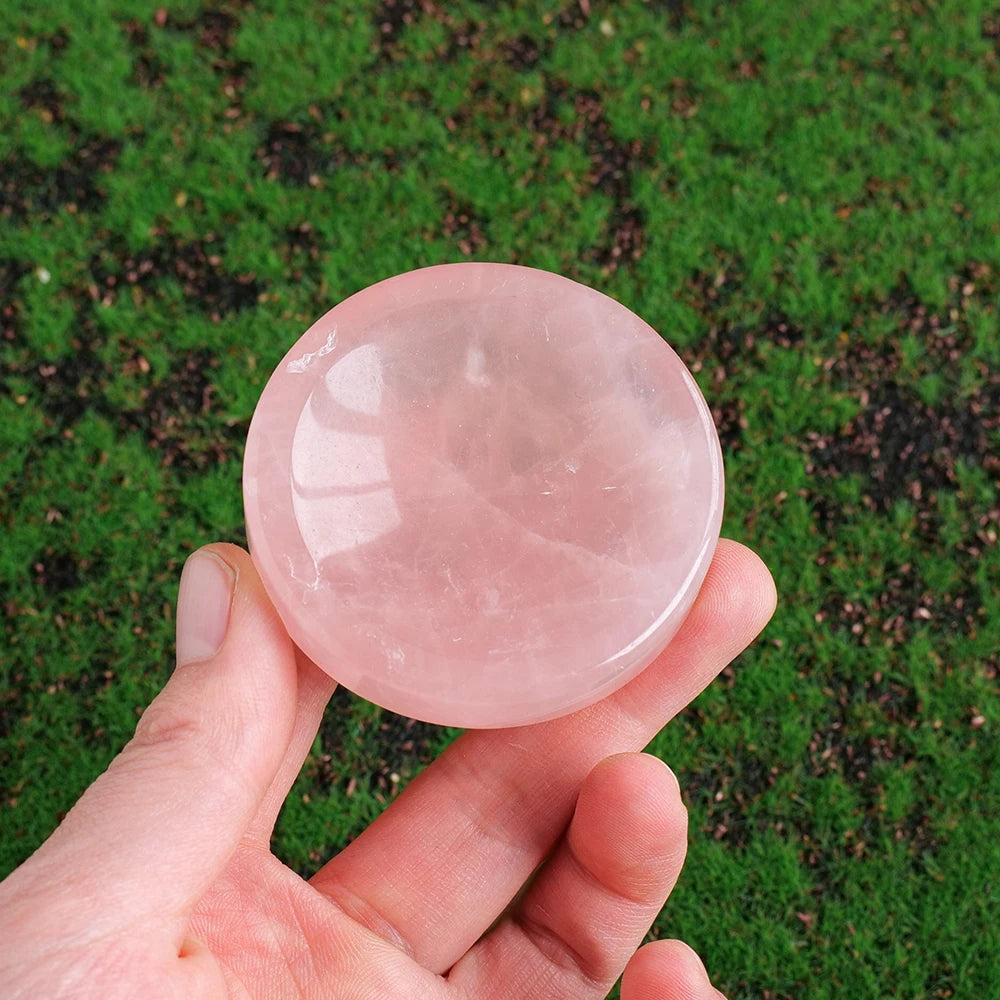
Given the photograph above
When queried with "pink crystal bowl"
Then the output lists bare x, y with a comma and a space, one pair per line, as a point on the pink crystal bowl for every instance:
482, 495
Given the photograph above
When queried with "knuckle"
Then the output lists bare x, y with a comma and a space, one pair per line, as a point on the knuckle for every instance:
581, 960
184, 728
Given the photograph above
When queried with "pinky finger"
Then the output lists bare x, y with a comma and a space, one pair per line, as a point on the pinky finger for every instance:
667, 970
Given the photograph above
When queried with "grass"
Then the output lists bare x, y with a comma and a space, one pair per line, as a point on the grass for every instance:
801, 199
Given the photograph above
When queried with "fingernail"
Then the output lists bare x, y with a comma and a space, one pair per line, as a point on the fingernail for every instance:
203, 603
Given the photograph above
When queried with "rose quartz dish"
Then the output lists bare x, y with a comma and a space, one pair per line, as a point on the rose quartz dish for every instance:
482, 495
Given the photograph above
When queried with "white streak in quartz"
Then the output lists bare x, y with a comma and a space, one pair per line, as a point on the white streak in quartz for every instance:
311, 585
566, 547
299, 365
475, 366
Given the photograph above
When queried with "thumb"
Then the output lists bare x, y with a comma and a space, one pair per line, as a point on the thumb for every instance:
157, 828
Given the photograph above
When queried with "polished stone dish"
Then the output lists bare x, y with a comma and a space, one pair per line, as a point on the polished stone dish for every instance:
481, 494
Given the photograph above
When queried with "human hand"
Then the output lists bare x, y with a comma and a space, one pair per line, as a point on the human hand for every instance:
160, 881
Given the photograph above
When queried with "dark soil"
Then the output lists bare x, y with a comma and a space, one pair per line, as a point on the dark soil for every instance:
301, 252
677, 11
28, 191
391, 19
904, 604
727, 350
523, 53
148, 70
612, 164
462, 227
11, 272
384, 751
43, 96
173, 413
991, 28
196, 266
727, 791
299, 153
900, 445
708, 291
56, 571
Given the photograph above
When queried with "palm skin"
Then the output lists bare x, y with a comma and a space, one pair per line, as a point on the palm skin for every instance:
524, 863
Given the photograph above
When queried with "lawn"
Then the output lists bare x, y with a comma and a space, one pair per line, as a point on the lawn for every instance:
803, 199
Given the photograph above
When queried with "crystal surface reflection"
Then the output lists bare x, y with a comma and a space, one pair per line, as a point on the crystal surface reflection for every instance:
482, 495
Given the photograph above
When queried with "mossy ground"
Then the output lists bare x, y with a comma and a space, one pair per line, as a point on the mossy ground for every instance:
803, 199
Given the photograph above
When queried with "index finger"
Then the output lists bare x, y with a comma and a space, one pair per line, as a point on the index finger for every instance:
436, 869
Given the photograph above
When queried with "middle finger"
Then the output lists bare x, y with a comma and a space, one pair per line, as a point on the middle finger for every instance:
437, 868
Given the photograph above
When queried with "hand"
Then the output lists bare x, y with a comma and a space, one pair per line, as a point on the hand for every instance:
160, 881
